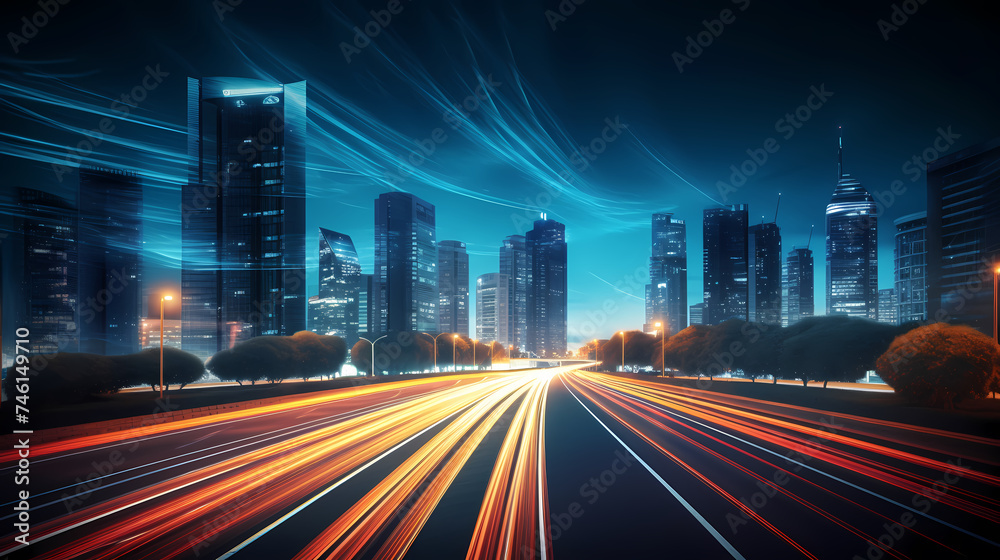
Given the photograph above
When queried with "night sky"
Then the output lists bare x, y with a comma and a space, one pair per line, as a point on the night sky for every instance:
515, 152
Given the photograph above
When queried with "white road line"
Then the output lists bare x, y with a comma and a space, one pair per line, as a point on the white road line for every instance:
833, 477
704, 522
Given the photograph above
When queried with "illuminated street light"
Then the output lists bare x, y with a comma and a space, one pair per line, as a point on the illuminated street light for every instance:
622, 333
996, 299
162, 299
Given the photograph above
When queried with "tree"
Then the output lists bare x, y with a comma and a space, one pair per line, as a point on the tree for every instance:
276, 358
684, 349
143, 368
639, 348
939, 364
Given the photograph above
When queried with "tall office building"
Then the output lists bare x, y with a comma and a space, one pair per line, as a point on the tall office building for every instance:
798, 290
698, 314
335, 311
725, 264
963, 235
367, 302
110, 254
491, 308
911, 267
453, 287
406, 261
243, 213
764, 273
851, 249
888, 306
43, 251
514, 264
547, 297
666, 293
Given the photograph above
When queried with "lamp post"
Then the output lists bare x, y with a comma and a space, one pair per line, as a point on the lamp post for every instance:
622, 333
509, 350
454, 363
436, 350
663, 343
373, 349
170, 298
474, 364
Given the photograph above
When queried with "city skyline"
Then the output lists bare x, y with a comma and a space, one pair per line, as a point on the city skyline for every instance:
475, 172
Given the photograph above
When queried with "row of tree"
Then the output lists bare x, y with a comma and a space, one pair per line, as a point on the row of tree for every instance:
936, 364
408, 351
73, 377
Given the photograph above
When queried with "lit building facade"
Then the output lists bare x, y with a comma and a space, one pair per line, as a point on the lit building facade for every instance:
888, 306
798, 290
335, 310
725, 264
911, 267
547, 292
514, 265
243, 213
764, 273
453, 287
666, 293
851, 249
491, 308
406, 263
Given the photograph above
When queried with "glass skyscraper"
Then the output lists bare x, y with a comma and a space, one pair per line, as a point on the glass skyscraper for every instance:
243, 213
336, 308
963, 235
43, 251
725, 264
851, 249
406, 262
514, 265
764, 273
453, 287
798, 291
666, 293
547, 297
110, 254
911, 267
491, 308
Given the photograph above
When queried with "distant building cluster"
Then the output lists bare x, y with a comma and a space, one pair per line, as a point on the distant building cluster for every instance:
944, 258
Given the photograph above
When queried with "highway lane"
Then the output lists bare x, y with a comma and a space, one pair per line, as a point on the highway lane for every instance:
540, 464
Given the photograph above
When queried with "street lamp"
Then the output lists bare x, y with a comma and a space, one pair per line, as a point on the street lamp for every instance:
436, 350
474, 364
663, 343
622, 333
373, 349
454, 363
170, 298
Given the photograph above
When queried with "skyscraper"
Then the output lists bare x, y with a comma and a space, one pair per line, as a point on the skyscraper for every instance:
798, 290
666, 294
453, 287
698, 314
725, 264
43, 250
888, 306
911, 267
335, 311
547, 297
367, 301
110, 254
406, 261
514, 264
764, 273
963, 235
851, 249
491, 308
243, 213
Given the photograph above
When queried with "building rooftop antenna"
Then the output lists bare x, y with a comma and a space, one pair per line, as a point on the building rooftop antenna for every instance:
776, 208
810, 235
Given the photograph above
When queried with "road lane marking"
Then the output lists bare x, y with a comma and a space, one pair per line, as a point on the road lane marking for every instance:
704, 522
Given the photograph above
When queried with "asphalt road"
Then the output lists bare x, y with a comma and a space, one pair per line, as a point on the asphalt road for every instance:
541, 464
